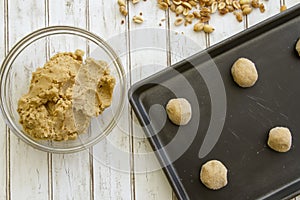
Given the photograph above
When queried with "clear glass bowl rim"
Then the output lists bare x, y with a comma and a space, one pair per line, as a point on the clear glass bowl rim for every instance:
41, 33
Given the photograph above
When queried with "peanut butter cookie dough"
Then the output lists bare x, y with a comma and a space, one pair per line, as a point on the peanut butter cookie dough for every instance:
298, 47
64, 95
280, 139
179, 111
213, 175
244, 72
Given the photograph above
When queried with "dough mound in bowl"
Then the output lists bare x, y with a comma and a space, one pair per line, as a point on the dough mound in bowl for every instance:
64, 95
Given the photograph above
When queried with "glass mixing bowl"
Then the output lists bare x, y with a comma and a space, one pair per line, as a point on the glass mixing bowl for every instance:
32, 52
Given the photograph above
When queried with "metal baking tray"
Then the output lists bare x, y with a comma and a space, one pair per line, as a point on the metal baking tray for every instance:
230, 123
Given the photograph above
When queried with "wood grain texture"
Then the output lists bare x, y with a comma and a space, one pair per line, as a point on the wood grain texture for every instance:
111, 157
225, 26
272, 8
148, 51
103, 172
2, 124
71, 173
28, 167
184, 42
290, 3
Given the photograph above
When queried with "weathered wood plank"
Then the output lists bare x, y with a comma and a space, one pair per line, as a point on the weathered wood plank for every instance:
271, 8
2, 124
290, 3
71, 173
148, 54
28, 167
111, 157
225, 26
184, 42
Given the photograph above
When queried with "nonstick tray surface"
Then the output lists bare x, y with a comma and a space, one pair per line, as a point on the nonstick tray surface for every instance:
230, 123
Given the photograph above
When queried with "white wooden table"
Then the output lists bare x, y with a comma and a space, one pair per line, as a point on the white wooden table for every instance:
98, 173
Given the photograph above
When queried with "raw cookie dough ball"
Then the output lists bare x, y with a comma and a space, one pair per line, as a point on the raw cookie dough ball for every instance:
179, 111
214, 175
280, 139
298, 47
244, 72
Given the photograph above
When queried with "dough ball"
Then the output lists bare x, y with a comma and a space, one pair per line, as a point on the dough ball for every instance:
214, 175
280, 139
244, 72
298, 47
179, 111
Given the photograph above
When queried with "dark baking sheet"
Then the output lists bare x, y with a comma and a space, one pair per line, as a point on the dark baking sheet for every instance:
255, 171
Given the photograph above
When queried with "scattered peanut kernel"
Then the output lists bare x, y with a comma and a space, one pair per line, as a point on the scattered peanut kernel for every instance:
188, 10
262, 8
198, 27
208, 28
283, 8
138, 19
179, 21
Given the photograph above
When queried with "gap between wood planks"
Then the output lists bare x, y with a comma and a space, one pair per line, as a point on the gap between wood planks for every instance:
7, 131
130, 114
